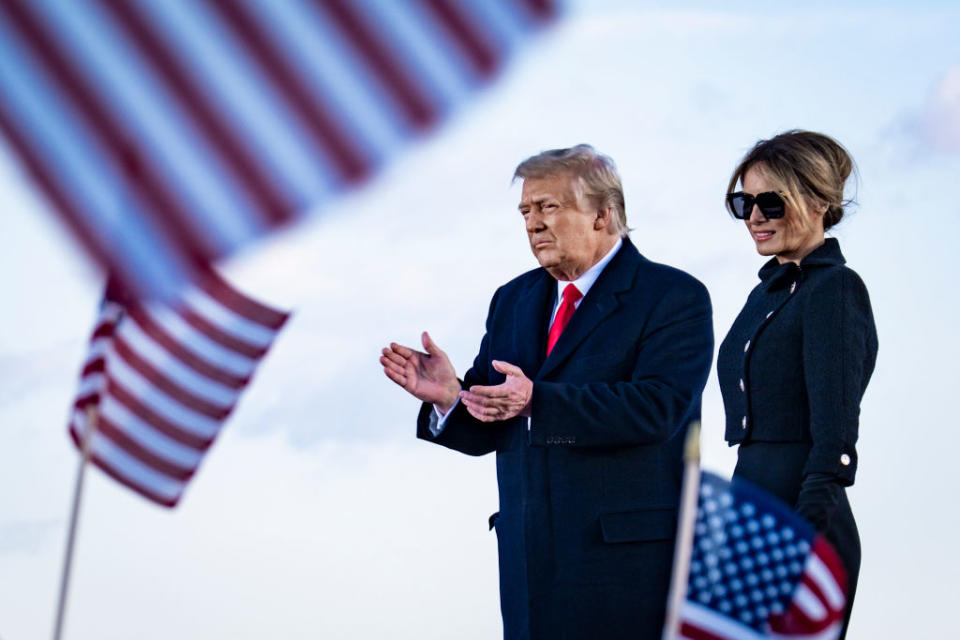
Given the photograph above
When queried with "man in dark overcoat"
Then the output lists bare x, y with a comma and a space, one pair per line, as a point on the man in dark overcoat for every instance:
591, 369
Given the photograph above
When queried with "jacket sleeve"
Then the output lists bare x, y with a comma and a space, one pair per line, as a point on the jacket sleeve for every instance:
839, 351
462, 432
671, 368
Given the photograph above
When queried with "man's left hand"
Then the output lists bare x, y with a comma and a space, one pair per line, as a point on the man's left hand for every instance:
502, 401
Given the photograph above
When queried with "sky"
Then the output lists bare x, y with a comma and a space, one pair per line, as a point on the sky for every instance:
317, 514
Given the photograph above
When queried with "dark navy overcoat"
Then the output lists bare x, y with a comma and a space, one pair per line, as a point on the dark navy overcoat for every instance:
589, 486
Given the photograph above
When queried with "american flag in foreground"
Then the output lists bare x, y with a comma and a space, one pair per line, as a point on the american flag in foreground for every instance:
758, 570
169, 133
161, 380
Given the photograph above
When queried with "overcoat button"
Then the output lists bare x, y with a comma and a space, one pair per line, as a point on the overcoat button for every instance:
743, 422
769, 313
793, 287
845, 460
746, 346
742, 387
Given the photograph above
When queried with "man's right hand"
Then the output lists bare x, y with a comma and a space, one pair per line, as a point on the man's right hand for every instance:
428, 376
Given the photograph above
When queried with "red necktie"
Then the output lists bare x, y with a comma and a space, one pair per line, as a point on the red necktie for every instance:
570, 296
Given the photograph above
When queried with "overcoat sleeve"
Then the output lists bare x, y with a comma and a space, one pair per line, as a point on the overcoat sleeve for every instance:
648, 406
462, 432
839, 351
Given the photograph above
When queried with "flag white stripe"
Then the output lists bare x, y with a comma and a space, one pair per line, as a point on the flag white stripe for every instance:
79, 166
97, 349
155, 399
502, 23
191, 339
809, 603
91, 383
713, 622
168, 141
148, 437
824, 579
174, 369
257, 119
227, 320
337, 77
128, 467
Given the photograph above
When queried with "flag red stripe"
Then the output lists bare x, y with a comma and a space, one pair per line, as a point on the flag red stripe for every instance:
482, 57
688, 630
542, 9
60, 200
382, 61
94, 366
274, 205
91, 398
318, 121
105, 466
107, 429
218, 289
104, 330
183, 354
167, 214
170, 429
170, 388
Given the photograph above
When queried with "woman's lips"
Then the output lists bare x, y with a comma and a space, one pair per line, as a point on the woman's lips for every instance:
760, 236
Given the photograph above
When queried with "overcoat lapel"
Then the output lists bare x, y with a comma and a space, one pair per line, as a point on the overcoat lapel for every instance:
531, 320
599, 303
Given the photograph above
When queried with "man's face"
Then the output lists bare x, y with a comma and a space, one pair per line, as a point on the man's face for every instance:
565, 233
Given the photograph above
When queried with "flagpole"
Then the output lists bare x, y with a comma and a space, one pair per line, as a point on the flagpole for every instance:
74, 516
684, 543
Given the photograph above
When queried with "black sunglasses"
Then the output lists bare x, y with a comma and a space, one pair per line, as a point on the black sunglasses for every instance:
770, 203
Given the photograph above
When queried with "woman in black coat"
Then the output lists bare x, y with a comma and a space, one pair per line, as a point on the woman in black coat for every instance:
795, 363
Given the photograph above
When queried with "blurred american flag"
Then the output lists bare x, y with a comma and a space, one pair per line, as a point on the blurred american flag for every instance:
758, 570
160, 380
169, 134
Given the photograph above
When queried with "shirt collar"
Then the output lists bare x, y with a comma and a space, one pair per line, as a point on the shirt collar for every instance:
773, 273
585, 281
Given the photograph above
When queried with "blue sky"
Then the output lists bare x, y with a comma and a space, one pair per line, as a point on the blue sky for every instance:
317, 515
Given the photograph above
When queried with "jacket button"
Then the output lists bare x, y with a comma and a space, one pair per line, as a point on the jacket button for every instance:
743, 423
742, 386
793, 287
769, 313
845, 460
549, 439
746, 346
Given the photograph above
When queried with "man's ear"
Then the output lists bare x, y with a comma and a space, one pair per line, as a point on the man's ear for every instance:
602, 220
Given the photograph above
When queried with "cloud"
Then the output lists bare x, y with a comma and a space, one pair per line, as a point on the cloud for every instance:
26, 536
937, 125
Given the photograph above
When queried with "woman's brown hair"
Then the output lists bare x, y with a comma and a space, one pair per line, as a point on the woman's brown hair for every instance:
806, 168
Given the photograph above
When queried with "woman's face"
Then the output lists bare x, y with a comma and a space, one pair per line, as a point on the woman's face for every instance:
787, 238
